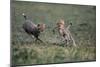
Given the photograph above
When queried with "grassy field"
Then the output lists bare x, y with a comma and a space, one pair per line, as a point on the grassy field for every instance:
26, 51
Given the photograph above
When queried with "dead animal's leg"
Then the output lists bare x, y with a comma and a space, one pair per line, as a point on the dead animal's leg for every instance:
38, 39
35, 38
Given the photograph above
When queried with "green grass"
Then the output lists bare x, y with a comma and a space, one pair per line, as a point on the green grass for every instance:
26, 51
42, 54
